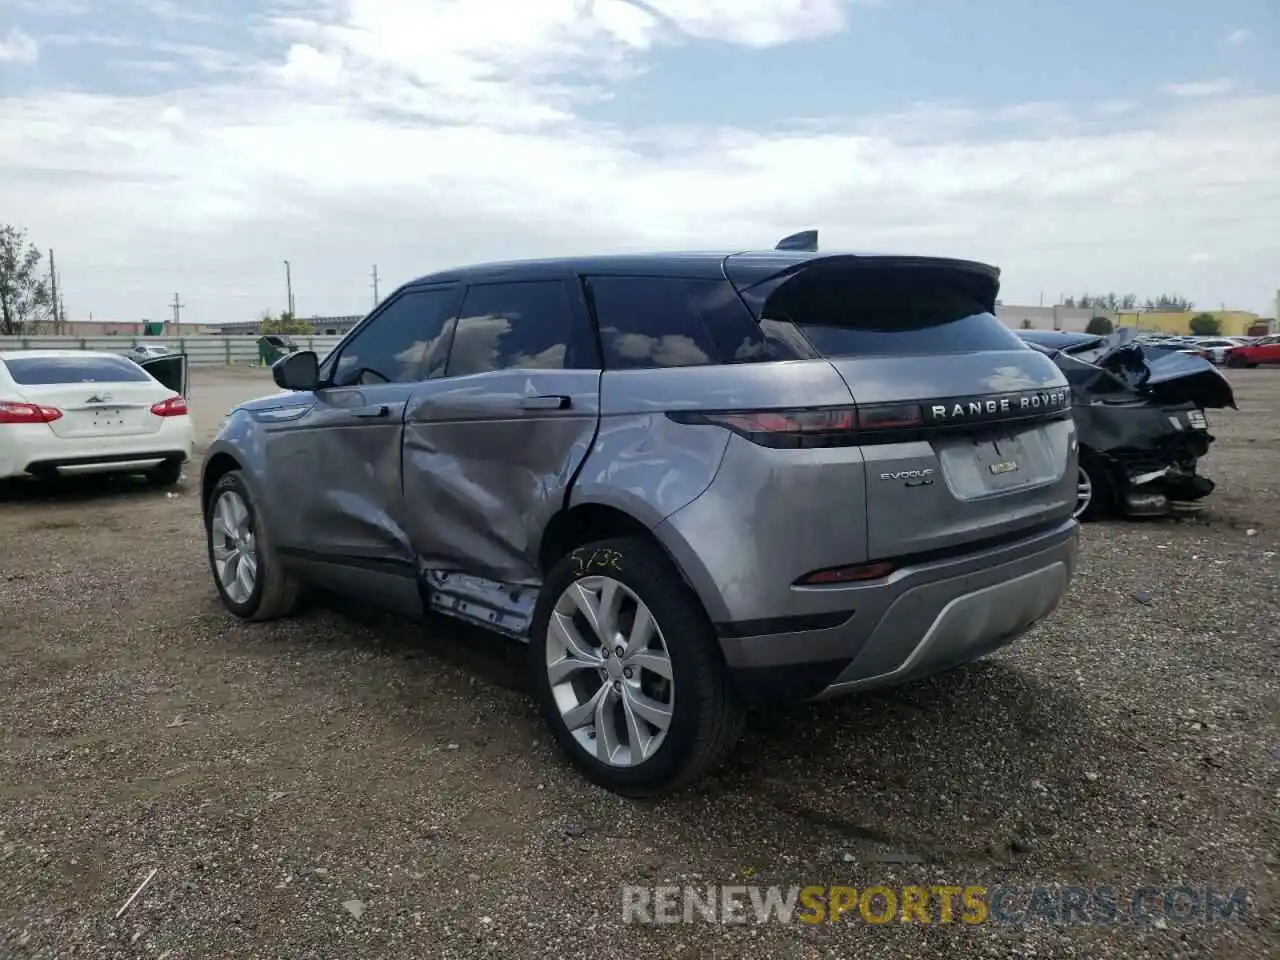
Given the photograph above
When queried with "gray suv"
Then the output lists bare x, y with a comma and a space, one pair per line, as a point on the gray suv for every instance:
690, 483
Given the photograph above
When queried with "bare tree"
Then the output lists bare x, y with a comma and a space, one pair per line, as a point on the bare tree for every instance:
25, 302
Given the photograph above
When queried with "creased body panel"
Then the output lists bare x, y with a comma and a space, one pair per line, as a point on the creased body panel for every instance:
486, 467
333, 484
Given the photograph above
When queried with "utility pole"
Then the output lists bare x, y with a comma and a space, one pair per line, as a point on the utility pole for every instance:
177, 316
288, 284
53, 295
375, 284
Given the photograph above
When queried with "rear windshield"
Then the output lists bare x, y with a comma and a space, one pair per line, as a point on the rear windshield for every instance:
36, 371
861, 312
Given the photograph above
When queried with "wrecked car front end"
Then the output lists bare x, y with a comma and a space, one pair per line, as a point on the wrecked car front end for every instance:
1141, 421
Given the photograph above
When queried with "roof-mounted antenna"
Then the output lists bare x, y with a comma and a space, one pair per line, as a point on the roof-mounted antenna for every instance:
806, 240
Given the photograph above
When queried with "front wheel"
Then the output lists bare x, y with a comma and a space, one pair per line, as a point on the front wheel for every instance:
246, 571
627, 670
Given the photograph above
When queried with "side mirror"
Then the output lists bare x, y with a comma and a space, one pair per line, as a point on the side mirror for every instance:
297, 371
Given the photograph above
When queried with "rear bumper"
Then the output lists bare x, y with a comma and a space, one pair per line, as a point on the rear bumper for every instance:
35, 449
917, 622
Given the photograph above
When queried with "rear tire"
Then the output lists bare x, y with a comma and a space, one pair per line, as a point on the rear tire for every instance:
571, 671
167, 474
247, 573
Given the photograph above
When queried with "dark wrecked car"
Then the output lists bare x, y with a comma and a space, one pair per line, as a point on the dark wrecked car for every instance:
1140, 416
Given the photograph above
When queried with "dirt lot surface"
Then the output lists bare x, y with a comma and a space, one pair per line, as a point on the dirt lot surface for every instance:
346, 785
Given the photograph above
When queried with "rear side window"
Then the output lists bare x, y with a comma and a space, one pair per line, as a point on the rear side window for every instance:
648, 322
525, 324
865, 312
35, 371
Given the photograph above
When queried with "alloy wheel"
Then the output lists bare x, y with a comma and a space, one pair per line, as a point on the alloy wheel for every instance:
609, 671
235, 554
1084, 492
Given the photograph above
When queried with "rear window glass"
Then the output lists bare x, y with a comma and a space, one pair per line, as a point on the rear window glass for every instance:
867, 312
33, 371
648, 322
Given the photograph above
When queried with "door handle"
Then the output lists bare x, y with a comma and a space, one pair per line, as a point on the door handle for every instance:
545, 403
373, 413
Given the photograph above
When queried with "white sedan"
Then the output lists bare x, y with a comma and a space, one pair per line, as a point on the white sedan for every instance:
66, 412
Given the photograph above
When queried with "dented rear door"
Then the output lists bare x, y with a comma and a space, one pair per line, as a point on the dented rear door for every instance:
491, 449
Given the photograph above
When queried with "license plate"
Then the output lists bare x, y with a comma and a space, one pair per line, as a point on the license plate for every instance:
1001, 456
105, 418
1197, 420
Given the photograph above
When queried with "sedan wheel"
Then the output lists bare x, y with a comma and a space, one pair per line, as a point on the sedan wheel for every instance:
610, 672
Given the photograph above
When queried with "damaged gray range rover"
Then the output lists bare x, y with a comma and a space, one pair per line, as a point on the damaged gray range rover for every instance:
692, 484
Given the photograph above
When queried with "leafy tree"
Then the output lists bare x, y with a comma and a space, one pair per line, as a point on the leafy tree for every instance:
1099, 326
286, 323
1169, 303
1205, 325
24, 293
1110, 302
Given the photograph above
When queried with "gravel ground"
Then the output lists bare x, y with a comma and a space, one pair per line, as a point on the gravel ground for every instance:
284, 778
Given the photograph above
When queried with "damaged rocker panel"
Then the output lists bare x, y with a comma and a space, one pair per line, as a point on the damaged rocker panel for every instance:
505, 607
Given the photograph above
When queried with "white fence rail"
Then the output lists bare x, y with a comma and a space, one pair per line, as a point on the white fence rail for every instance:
203, 351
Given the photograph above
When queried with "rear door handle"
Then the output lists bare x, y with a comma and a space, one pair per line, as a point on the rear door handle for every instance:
545, 403
374, 413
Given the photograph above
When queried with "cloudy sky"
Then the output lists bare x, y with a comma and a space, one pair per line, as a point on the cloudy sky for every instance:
161, 146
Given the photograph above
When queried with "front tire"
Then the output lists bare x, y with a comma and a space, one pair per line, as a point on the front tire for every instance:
247, 573
627, 671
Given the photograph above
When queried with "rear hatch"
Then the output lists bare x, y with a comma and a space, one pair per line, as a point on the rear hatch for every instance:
974, 438
99, 396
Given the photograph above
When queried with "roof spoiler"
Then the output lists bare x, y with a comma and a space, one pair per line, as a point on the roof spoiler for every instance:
806, 240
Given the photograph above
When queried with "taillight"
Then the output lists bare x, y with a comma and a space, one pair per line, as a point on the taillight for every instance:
802, 428
855, 573
13, 411
173, 407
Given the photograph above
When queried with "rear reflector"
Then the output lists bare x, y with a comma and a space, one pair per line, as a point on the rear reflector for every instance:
13, 411
173, 407
855, 573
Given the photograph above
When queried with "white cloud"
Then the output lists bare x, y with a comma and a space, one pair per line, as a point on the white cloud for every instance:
455, 132
1236, 37
17, 47
1201, 88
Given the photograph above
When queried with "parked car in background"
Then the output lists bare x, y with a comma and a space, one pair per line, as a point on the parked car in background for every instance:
691, 483
1214, 349
70, 412
148, 351
1265, 350
1140, 413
